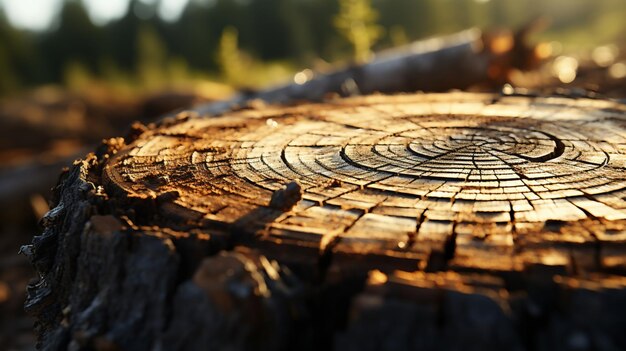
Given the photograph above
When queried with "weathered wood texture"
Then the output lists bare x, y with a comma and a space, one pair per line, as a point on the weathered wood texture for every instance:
450, 221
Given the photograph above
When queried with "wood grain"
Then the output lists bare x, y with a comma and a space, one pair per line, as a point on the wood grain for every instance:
463, 215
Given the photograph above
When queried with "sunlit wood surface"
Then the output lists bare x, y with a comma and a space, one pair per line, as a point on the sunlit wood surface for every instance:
394, 222
399, 176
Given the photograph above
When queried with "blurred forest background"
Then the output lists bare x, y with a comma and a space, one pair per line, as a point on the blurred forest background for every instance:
153, 44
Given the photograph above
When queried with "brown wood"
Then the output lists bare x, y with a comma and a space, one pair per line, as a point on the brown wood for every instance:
447, 221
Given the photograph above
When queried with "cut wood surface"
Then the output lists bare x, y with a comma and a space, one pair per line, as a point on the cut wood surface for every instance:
428, 221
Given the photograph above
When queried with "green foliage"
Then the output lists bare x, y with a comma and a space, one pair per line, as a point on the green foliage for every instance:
398, 36
8, 79
177, 71
151, 59
76, 76
273, 39
241, 70
356, 21
230, 59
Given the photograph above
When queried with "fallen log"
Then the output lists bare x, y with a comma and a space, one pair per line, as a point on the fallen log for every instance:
471, 58
428, 221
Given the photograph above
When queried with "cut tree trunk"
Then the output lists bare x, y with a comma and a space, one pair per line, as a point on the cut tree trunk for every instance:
447, 221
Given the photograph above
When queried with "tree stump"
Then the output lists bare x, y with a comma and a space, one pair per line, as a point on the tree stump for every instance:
444, 221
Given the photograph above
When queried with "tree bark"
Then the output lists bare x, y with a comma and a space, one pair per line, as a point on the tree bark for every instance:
443, 221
